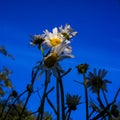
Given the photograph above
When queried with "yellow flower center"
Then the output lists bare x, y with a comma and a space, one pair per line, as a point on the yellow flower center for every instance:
55, 41
51, 60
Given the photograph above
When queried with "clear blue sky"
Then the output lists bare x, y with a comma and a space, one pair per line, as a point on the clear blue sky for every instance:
97, 43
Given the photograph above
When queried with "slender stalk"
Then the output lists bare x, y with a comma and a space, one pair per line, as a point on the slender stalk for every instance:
116, 95
105, 97
62, 96
100, 101
86, 96
34, 74
14, 103
69, 115
52, 106
19, 96
65, 73
30, 90
91, 113
41, 108
29, 94
58, 99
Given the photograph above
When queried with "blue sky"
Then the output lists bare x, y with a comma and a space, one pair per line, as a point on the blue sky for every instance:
97, 43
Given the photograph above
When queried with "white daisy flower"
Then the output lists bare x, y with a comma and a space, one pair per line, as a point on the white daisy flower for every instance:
58, 53
67, 31
53, 39
55, 47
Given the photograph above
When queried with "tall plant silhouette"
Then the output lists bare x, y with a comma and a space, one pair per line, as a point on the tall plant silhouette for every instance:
54, 47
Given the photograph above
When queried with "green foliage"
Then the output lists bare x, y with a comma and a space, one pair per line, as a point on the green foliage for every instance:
5, 81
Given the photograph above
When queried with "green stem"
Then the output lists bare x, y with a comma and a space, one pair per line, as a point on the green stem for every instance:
69, 115
52, 106
41, 108
62, 96
100, 101
86, 96
105, 97
28, 97
116, 95
91, 113
58, 99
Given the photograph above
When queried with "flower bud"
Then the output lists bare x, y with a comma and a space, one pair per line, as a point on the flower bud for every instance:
82, 68
14, 94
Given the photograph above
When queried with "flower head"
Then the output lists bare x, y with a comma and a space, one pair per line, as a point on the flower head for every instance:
72, 101
58, 53
96, 81
53, 39
67, 31
37, 39
54, 47
82, 68
14, 94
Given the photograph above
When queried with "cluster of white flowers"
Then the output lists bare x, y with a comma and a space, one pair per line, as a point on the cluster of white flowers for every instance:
57, 45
